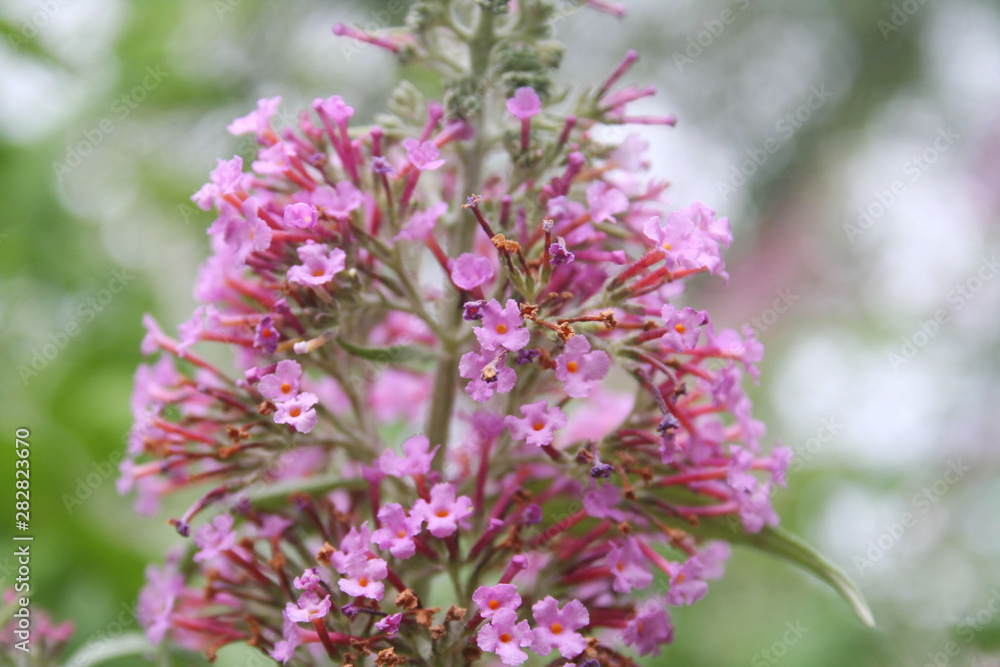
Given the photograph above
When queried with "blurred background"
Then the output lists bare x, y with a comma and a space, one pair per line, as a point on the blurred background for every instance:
855, 146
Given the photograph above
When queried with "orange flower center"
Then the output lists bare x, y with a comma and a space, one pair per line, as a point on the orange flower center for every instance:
442, 513
538, 426
295, 412
556, 628
572, 366
401, 534
680, 578
317, 273
501, 329
620, 567
266, 333
363, 581
505, 638
285, 387
680, 328
667, 246
494, 605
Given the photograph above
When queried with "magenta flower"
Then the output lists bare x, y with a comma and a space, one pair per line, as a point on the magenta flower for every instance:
444, 513
683, 327
687, 585
605, 202
226, 179
336, 108
301, 216
755, 508
397, 531
157, 601
502, 327
338, 201
389, 625
298, 412
740, 464
492, 599
537, 425
424, 156
355, 543
308, 609
422, 223
627, 565
265, 336
308, 580
283, 384
417, 458
258, 121
215, 538
506, 637
650, 628
247, 233
470, 271
525, 103
557, 628
579, 369
319, 264
479, 389
364, 577
284, 650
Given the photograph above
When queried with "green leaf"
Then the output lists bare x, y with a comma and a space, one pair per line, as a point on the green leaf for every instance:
389, 356
104, 651
781, 543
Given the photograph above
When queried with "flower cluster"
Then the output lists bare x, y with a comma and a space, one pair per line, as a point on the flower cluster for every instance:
461, 380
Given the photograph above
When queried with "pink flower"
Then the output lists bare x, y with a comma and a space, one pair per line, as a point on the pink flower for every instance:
755, 508
650, 628
579, 369
335, 107
397, 531
684, 327
226, 179
525, 103
355, 543
389, 625
400, 394
502, 327
247, 233
308, 609
745, 349
740, 464
266, 336
713, 559
424, 156
471, 366
215, 538
627, 566
283, 384
308, 581
338, 201
298, 412
470, 271
444, 513
417, 458
319, 264
422, 223
557, 628
284, 650
506, 637
492, 599
275, 159
258, 121
605, 202
301, 216
686, 583
537, 425
364, 577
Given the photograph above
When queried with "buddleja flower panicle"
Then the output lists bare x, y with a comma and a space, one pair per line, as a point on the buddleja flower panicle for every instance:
461, 380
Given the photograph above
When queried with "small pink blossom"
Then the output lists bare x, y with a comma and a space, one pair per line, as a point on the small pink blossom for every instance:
258, 121
424, 156
650, 628
687, 585
215, 538
364, 577
605, 202
319, 264
470, 271
579, 369
471, 367
422, 223
298, 412
502, 327
628, 566
416, 460
525, 103
308, 609
557, 628
506, 637
492, 599
538, 423
301, 216
397, 531
444, 513
389, 625
338, 201
684, 327
283, 384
